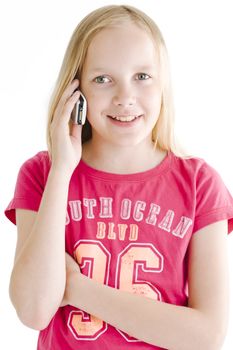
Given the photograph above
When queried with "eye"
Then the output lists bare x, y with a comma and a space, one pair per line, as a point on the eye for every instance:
143, 76
102, 79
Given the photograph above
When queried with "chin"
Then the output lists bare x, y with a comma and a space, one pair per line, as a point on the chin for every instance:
127, 141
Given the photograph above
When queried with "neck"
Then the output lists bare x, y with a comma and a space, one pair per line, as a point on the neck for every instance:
122, 159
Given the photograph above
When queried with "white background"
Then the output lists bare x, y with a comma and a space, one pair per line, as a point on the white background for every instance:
34, 36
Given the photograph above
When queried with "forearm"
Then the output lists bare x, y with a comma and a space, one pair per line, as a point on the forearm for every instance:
38, 278
157, 323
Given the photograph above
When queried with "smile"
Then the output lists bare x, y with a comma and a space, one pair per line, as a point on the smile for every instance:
128, 118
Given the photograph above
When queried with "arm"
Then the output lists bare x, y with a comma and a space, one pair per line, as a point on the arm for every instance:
201, 325
40, 254
38, 277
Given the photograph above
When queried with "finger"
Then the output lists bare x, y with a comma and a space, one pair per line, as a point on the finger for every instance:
71, 264
62, 116
69, 259
68, 92
68, 256
76, 131
63, 303
69, 105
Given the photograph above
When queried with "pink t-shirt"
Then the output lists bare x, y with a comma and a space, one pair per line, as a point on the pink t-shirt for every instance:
130, 232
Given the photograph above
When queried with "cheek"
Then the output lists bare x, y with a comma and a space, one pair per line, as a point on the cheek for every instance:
92, 92
153, 99
96, 104
91, 96
97, 101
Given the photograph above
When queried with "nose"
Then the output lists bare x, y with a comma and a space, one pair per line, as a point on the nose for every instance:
124, 96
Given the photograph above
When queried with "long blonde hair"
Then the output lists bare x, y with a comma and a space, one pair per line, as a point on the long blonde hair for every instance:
73, 62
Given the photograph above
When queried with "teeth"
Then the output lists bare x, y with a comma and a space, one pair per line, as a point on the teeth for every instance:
124, 119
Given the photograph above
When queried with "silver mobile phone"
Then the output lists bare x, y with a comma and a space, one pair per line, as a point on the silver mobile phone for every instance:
79, 112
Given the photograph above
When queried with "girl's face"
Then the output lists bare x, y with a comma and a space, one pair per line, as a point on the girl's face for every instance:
121, 83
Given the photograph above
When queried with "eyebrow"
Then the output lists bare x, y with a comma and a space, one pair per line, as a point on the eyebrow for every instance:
138, 68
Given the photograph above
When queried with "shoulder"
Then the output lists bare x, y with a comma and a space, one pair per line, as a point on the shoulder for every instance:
188, 163
31, 180
203, 181
195, 168
212, 199
40, 159
36, 166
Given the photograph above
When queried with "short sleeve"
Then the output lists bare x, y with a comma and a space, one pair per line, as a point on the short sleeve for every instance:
30, 185
213, 200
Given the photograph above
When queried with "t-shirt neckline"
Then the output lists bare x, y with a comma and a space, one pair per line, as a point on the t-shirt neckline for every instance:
160, 168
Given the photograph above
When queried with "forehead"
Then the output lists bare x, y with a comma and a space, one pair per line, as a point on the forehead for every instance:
123, 44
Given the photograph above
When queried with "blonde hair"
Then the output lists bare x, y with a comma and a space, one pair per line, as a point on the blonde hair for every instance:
73, 62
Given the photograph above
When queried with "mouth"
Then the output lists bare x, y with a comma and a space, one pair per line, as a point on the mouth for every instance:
125, 118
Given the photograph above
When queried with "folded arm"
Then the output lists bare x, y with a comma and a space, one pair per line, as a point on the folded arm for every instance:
201, 325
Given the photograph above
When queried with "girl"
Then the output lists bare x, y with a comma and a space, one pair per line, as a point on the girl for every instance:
121, 238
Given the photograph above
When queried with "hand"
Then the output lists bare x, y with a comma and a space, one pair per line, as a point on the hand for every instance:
66, 136
72, 273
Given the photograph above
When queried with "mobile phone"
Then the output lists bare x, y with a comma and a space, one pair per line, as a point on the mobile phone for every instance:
79, 112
